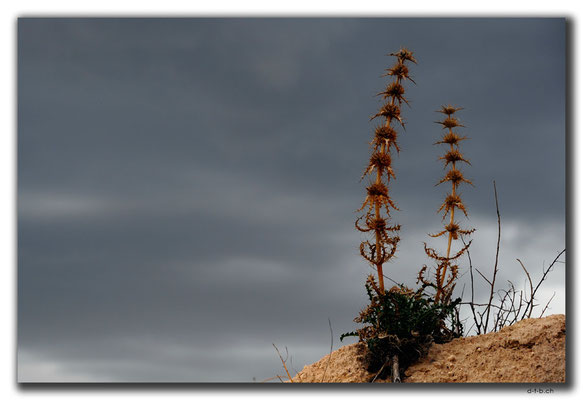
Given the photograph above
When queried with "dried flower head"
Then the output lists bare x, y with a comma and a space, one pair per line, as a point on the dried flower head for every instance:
372, 223
396, 91
399, 70
378, 193
453, 156
453, 228
451, 138
377, 189
449, 109
380, 161
378, 224
454, 176
449, 122
390, 112
386, 135
452, 200
404, 55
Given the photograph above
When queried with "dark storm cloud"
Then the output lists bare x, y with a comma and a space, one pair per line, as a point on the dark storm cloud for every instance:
187, 187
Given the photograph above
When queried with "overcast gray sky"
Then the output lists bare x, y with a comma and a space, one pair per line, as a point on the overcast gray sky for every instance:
187, 187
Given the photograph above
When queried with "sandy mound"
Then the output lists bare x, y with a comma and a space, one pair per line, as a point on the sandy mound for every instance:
532, 350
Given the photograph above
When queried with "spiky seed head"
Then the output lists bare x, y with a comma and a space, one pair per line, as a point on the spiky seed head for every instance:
453, 156
455, 176
451, 201
400, 71
396, 91
390, 111
404, 55
450, 122
451, 138
386, 135
377, 189
452, 227
378, 224
449, 109
455, 231
380, 160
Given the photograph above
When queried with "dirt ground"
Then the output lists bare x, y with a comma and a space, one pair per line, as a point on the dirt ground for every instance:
532, 350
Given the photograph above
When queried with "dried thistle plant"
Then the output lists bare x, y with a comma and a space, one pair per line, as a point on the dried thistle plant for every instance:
446, 271
378, 203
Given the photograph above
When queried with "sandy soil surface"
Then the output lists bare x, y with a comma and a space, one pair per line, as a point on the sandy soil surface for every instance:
532, 350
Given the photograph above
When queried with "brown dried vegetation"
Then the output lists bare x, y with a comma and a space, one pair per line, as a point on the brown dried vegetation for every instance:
380, 166
450, 122
387, 136
455, 177
445, 275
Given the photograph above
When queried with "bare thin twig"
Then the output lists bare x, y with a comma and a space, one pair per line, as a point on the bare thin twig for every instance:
480, 305
295, 370
513, 305
283, 362
547, 306
329, 355
548, 270
496, 262
472, 289
530, 304
486, 279
272, 378
530, 282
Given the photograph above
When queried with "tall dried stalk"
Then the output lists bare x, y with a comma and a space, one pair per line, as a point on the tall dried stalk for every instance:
444, 283
378, 202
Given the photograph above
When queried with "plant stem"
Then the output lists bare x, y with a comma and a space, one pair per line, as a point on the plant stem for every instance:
377, 209
452, 210
443, 271
495, 262
395, 372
